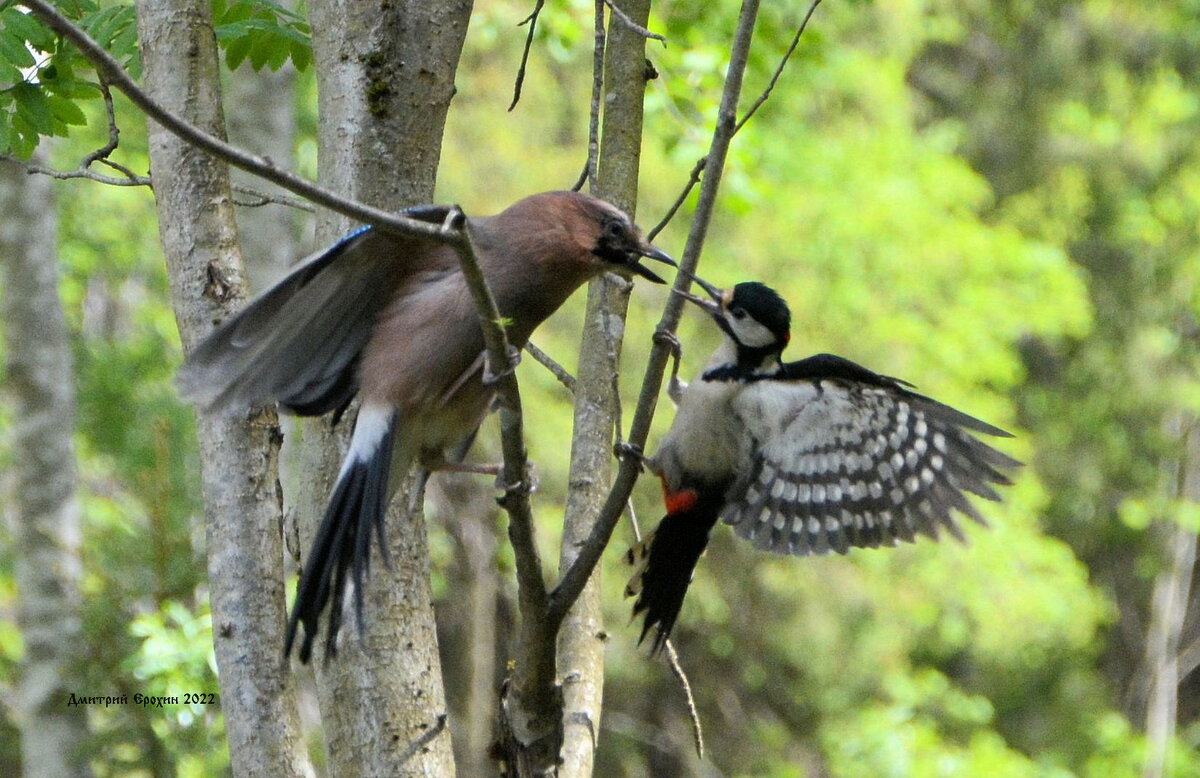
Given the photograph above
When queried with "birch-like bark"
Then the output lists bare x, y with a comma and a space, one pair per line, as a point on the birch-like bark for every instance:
45, 511
238, 455
262, 118
385, 76
1168, 610
581, 640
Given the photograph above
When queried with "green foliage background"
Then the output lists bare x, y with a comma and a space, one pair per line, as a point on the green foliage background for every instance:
996, 201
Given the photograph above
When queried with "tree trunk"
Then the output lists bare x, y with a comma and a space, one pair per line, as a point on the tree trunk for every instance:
238, 455
46, 517
581, 641
1168, 609
385, 75
262, 118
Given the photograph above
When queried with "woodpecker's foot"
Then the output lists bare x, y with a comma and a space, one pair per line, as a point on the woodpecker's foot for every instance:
490, 376
623, 449
675, 387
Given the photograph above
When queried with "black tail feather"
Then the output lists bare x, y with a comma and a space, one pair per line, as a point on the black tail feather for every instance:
671, 558
342, 547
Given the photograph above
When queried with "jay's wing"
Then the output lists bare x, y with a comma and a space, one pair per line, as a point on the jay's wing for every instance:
299, 342
844, 457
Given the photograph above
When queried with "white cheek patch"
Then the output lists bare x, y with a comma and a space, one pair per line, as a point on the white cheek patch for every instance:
751, 333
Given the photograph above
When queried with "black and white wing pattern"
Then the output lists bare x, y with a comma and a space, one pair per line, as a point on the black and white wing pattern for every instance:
838, 463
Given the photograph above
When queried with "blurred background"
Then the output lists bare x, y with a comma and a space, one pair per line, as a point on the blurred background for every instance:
996, 201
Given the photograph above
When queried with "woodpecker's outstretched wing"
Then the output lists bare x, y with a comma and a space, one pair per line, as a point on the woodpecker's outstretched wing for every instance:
844, 457
299, 342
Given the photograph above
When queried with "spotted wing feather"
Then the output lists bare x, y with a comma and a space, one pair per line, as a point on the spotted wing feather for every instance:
838, 464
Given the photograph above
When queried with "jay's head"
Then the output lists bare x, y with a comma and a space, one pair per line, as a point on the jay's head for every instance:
603, 234
751, 314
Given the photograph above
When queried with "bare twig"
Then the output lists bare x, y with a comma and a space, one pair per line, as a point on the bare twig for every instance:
267, 198
545, 360
110, 70
531, 20
501, 361
631, 24
534, 689
99, 155
572, 582
693, 713
66, 175
779, 69
593, 154
694, 178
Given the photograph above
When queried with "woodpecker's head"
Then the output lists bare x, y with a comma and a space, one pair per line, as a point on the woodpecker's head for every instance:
752, 315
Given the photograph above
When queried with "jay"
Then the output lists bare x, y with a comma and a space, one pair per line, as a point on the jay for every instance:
389, 318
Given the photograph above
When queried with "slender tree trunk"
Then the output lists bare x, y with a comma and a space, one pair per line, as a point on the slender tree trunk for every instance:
385, 75
262, 119
1168, 610
469, 616
238, 455
45, 525
581, 641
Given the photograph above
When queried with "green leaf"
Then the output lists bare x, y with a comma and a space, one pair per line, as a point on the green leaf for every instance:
236, 52
32, 107
301, 56
9, 75
23, 139
14, 53
28, 28
66, 111
72, 88
5, 131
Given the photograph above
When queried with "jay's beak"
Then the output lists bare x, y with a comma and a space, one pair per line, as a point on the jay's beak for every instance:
650, 252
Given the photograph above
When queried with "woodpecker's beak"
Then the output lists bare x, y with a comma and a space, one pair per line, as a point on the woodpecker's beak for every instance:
711, 307
650, 252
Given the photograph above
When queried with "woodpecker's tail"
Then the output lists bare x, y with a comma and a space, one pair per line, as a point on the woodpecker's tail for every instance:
343, 541
663, 565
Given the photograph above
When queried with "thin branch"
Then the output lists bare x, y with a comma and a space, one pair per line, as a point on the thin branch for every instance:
545, 360
114, 132
66, 175
693, 713
779, 70
110, 70
83, 170
593, 155
531, 20
266, 198
632, 25
573, 581
499, 370
694, 178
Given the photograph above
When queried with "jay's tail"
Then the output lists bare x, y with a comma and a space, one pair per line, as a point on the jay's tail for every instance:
343, 541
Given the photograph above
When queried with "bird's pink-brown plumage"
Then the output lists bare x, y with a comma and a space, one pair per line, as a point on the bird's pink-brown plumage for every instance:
390, 319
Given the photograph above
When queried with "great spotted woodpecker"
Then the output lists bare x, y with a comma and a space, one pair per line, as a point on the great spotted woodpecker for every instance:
800, 457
